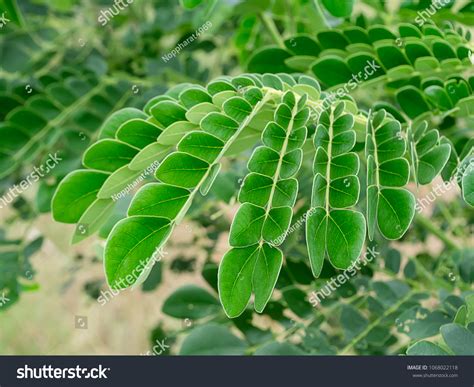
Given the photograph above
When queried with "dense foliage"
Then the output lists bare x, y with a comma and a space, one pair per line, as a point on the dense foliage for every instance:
322, 129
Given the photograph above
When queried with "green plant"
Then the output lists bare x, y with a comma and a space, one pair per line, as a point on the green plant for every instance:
315, 168
224, 119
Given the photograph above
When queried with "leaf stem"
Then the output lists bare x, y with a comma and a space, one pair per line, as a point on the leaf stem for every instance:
272, 29
431, 227
276, 176
59, 120
320, 15
328, 170
376, 322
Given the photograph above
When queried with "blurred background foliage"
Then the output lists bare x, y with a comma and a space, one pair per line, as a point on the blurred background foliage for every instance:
63, 73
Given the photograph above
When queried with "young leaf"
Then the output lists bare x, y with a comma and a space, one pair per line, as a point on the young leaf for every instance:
182, 174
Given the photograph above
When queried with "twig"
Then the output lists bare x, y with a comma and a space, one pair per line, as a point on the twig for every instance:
272, 29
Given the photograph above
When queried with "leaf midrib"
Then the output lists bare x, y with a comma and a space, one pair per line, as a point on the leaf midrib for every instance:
279, 165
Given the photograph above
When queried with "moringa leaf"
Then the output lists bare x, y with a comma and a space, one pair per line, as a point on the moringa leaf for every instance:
212, 339
93, 219
75, 194
192, 302
263, 219
339, 8
182, 174
467, 178
108, 155
459, 339
333, 229
389, 205
428, 151
131, 246
115, 120
426, 348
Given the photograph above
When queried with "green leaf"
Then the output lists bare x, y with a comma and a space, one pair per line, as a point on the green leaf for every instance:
93, 218
108, 155
412, 101
426, 348
419, 323
316, 231
296, 299
161, 200
271, 59
119, 183
190, 3
345, 237
247, 226
127, 258
194, 96
279, 349
167, 113
182, 169
192, 302
154, 278
389, 205
332, 228
115, 121
235, 279
138, 133
430, 153
395, 212
352, 321
212, 339
470, 308
219, 125
332, 71
149, 155
201, 145
267, 268
264, 217
458, 339
467, 184
76, 192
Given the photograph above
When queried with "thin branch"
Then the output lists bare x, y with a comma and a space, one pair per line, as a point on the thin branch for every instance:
272, 29
376, 322
440, 234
